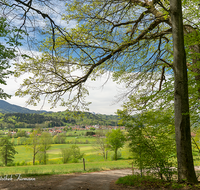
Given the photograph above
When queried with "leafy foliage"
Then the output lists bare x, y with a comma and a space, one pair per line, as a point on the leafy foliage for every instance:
109, 36
59, 139
34, 144
115, 140
101, 144
152, 141
8, 35
45, 141
72, 154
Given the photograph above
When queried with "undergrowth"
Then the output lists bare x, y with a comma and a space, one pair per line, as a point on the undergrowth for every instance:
150, 182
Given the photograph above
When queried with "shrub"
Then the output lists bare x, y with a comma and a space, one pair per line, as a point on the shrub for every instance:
144, 181
151, 137
118, 155
66, 154
71, 154
59, 139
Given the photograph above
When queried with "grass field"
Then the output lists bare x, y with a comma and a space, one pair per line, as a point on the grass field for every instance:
54, 153
93, 158
65, 168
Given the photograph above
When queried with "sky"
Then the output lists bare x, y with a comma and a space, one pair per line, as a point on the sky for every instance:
103, 98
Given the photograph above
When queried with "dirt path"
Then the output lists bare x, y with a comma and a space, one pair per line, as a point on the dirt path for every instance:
93, 181
89, 181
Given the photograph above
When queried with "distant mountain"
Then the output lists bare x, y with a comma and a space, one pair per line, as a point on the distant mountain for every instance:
6, 107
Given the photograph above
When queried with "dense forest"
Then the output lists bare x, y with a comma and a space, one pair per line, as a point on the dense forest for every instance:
52, 119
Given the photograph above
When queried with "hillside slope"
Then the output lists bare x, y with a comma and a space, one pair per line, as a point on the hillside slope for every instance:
6, 107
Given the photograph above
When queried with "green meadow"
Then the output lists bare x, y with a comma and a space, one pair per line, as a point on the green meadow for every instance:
94, 161
64, 168
91, 154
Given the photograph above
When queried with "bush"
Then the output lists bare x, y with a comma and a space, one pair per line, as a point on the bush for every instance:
144, 181
71, 154
66, 154
11, 164
59, 139
22, 163
42, 157
151, 137
119, 155
89, 133
17, 164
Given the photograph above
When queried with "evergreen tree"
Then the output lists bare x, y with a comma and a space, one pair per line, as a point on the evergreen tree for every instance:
7, 151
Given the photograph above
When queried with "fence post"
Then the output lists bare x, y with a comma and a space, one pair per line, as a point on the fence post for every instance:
132, 169
84, 164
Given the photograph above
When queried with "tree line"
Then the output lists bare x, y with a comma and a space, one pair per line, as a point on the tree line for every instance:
48, 120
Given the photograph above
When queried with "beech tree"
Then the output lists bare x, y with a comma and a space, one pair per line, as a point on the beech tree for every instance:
130, 38
181, 103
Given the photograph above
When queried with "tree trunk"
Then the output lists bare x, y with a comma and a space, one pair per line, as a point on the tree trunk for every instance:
45, 157
34, 158
104, 155
6, 156
181, 103
115, 154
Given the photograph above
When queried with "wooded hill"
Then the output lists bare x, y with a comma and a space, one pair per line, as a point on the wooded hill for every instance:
12, 116
31, 120
6, 107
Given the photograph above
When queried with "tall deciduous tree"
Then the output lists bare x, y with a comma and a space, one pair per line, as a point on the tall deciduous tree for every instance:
181, 102
45, 144
101, 146
34, 142
115, 140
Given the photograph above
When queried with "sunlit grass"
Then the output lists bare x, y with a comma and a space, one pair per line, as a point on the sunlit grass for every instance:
91, 154
65, 168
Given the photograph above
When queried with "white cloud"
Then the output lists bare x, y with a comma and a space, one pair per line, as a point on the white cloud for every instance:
102, 98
